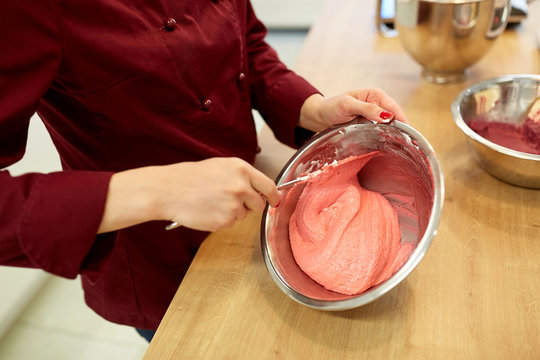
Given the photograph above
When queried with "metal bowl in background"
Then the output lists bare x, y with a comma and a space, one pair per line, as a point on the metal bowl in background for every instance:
403, 147
446, 37
503, 99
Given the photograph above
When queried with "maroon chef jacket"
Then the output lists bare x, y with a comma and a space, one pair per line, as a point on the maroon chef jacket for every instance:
122, 84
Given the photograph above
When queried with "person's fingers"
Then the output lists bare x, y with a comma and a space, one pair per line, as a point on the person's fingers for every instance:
254, 201
241, 212
370, 110
265, 187
390, 105
378, 106
212, 193
374, 112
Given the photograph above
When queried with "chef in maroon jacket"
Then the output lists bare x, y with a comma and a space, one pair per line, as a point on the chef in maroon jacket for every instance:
149, 104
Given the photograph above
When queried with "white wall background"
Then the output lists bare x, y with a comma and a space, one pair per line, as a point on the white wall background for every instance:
288, 14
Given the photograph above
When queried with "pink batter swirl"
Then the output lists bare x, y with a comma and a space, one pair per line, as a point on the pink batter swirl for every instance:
345, 237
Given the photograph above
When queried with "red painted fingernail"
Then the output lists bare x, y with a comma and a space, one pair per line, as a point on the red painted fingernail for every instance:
385, 115
279, 202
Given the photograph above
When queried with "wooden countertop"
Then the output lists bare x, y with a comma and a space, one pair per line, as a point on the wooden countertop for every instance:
476, 293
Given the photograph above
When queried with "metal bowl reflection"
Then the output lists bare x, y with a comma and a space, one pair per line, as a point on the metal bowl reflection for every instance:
401, 143
446, 37
502, 99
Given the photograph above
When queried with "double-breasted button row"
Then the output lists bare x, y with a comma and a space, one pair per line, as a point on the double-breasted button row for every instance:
206, 103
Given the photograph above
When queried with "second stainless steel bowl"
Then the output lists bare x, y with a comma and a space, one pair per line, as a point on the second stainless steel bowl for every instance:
506, 98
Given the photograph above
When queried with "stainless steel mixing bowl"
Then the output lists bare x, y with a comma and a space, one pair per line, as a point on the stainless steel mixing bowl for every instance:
506, 99
408, 149
446, 37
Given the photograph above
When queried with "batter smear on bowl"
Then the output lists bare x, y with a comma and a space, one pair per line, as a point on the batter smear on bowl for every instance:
345, 237
524, 138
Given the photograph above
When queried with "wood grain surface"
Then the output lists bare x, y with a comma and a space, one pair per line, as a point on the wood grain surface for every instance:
476, 293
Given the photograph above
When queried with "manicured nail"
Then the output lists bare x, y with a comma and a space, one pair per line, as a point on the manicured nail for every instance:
385, 115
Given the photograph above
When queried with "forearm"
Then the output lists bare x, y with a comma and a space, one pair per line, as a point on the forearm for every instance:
130, 199
310, 117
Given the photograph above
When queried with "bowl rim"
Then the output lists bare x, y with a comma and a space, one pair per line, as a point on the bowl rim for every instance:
415, 257
483, 85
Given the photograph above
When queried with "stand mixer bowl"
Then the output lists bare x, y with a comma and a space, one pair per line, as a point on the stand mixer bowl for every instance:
446, 37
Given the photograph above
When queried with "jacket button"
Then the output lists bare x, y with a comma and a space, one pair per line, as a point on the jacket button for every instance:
241, 77
258, 149
206, 104
170, 24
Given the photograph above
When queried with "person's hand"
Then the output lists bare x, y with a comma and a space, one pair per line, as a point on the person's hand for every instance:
205, 195
318, 112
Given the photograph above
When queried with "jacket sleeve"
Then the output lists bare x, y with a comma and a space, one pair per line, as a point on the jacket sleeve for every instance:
47, 221
277, 92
